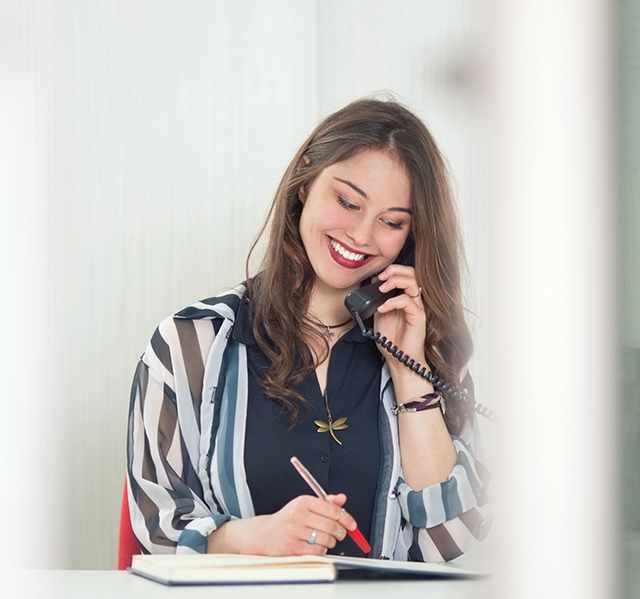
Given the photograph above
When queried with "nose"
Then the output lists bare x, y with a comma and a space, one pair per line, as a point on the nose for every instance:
361, 233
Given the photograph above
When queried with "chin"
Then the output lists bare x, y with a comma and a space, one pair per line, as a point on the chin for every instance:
345, 285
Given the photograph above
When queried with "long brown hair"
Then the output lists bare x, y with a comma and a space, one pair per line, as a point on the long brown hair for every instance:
279, 295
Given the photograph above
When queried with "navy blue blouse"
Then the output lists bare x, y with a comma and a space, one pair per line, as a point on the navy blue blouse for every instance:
353, 390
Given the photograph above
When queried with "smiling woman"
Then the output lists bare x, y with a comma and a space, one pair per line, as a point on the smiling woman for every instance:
362, 227
233, 386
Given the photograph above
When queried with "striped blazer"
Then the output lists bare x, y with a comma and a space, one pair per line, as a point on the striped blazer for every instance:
185, 450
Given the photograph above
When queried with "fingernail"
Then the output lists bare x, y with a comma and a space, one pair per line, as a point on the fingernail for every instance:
353, 526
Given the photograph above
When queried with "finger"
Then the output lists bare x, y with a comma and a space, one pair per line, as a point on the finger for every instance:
324, 508
327, 526
320, 538
329, 511
414, 312
408, 284
338, 499
347, 521
303, 547
396, 269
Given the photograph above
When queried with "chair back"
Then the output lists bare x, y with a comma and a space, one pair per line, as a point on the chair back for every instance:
127, 544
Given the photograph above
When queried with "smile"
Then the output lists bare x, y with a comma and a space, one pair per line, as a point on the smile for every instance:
345, 257
345, 253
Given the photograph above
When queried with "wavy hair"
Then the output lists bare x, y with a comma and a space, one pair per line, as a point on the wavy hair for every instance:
279, 294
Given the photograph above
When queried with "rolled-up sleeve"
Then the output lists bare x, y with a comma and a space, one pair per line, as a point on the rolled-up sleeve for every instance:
445, 520
167, 504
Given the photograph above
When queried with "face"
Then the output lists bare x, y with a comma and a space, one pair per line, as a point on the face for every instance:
356, 218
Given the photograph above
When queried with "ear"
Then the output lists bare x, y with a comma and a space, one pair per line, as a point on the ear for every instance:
303, 163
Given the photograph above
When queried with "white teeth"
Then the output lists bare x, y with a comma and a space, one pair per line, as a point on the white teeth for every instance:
346, 254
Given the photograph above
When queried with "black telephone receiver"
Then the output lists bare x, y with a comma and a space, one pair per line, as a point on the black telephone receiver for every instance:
363, 303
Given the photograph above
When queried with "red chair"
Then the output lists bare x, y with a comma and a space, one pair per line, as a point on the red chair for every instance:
127, 544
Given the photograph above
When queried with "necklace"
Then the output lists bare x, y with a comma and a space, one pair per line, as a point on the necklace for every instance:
327, 332
331, 426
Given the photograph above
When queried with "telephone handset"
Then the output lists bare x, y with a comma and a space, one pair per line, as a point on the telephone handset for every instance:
363, 303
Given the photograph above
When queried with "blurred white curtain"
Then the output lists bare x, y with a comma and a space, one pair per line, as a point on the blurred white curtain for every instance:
141, 142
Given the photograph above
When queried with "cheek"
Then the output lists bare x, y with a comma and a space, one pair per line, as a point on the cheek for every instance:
390, 246
322, 219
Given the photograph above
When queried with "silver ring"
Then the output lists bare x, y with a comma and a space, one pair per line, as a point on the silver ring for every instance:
340, 531
342, 513
417, 294
312, 539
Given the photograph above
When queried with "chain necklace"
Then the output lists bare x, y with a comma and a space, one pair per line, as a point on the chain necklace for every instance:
331, 426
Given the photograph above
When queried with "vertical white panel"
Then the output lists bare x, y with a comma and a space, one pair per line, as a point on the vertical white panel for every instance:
31, 509
553, 270
629, 123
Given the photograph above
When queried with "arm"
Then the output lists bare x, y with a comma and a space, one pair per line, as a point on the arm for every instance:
443, 497
168, 510
403, 320
445, 520
286, 532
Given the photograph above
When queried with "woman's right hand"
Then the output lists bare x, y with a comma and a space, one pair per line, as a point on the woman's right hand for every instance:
286, 532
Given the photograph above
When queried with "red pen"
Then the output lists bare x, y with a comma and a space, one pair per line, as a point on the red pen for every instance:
356, 535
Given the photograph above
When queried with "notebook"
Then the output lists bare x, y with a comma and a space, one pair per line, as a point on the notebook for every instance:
201, 569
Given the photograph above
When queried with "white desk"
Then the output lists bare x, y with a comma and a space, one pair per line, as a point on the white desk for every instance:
111, 584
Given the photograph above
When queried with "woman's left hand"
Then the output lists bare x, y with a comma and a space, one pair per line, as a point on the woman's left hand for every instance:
402, 319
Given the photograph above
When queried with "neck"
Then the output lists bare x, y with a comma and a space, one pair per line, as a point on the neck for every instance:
327, 305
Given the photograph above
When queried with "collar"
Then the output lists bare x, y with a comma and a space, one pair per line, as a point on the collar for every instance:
243, 329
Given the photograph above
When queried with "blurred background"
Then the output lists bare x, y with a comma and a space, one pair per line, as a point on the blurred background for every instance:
140, 144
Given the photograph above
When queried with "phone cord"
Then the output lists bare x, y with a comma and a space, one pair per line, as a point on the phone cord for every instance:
428, 376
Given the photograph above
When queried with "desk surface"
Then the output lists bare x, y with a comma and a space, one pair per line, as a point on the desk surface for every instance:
111, 584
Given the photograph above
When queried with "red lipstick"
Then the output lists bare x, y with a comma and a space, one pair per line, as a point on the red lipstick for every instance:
342, 261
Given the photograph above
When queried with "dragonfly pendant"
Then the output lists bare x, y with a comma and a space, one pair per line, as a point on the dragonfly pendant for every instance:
331, 426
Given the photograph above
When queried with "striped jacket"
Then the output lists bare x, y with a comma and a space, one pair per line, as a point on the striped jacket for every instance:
185, 451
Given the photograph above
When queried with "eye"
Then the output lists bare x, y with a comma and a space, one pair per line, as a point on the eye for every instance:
345, 204
392, 224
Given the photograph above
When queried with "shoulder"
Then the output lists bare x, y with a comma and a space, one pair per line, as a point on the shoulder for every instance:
224, 305
192, 327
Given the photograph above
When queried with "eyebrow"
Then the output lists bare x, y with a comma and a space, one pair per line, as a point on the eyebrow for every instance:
356, 189
366, 197
400, 210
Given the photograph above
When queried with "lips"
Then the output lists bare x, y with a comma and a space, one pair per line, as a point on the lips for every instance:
346, 256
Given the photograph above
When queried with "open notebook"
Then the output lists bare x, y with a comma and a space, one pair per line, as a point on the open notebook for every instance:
252, 569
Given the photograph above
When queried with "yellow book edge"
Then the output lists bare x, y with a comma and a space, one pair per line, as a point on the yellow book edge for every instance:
232, 569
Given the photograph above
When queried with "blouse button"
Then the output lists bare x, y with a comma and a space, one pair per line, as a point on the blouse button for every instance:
324, 458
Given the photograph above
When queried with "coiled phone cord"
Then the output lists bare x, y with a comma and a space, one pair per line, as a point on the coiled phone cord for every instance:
427, 375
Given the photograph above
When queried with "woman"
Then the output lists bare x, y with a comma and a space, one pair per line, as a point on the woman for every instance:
233, 386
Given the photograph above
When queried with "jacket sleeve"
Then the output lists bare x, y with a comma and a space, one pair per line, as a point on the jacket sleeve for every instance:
169, 513
446, 520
